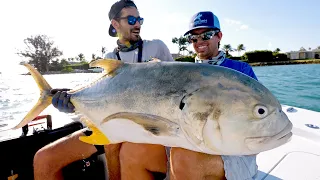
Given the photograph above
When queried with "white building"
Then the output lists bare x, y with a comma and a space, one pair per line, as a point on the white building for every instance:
304, 54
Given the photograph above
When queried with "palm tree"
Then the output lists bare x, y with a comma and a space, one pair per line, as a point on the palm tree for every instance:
103, 50
81, 57
277, 50
240, 48
227, 48
182, 43
93, 56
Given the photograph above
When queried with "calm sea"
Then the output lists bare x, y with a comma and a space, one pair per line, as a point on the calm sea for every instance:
294, 85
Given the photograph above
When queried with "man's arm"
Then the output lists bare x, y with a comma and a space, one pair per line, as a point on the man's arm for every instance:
249, 71
112, 153
110, 55
164, 52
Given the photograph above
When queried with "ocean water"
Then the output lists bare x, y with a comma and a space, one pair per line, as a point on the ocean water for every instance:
294, 85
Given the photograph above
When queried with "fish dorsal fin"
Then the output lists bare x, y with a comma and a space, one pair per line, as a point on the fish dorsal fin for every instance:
109, 65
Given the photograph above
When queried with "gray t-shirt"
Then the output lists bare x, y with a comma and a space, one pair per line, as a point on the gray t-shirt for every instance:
151, 49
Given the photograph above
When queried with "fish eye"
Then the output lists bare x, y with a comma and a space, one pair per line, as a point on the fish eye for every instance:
181, 106
260, 111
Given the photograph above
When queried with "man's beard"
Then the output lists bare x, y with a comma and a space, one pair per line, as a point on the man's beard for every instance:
136, 32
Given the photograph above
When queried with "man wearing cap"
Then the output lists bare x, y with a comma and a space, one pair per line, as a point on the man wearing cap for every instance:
126, 24
205, 35
50, 160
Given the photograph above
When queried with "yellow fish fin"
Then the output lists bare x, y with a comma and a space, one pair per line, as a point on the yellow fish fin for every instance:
109, 65
97, 137
45, 96
13, 177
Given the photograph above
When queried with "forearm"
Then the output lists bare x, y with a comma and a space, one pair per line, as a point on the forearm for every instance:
112, 153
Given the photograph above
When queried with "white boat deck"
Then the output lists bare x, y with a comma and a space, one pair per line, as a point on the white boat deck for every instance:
299, 159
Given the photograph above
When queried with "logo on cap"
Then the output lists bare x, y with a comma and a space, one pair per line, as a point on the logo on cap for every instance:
198, 20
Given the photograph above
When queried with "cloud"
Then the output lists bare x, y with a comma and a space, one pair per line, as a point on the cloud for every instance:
269, 44
237, 24
244, 27
232, 22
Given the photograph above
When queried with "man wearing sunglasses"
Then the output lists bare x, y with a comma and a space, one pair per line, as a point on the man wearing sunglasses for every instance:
136, 159
205, 35
126, 24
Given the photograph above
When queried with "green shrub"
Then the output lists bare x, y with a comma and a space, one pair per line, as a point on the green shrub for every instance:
67, 69
236, 58
83, 66
185, 59
281, 57
259, 56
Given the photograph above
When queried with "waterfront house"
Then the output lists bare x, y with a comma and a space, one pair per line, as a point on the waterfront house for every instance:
304, 54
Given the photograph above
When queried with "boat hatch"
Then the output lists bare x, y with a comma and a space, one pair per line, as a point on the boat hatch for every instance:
296, 166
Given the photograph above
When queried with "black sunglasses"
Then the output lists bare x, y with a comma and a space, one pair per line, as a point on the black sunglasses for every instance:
132, 20
204, 36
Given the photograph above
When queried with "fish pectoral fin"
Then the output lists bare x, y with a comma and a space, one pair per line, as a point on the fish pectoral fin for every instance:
109, 65
190, 136
97, 137
156, 125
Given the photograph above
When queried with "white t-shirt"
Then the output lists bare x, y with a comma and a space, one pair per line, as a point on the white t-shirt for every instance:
151, 49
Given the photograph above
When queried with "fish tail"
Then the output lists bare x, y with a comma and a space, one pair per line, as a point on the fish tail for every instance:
45, 96
97, 137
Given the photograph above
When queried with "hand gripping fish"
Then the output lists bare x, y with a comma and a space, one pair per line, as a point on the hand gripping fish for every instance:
209, 109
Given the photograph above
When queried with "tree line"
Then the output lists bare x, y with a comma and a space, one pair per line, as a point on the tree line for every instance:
182, 43
44, 55
248, 56
41, 52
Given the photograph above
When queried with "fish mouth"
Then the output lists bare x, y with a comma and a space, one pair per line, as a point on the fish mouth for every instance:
284, 133
278, 138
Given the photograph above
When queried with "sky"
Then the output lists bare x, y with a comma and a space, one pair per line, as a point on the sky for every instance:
81, 26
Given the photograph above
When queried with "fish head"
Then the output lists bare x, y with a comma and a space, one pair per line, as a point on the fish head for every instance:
235, 116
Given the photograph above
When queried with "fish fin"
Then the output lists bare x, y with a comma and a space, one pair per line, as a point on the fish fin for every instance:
191, 137
109, 65
41, 82
45, 96
97, 137
156, 125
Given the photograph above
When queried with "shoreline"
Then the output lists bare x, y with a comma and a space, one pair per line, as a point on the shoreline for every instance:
289, 62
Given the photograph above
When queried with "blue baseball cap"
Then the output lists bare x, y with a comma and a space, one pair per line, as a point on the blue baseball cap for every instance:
204, 19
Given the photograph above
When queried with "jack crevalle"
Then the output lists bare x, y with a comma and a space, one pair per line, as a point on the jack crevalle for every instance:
209, 109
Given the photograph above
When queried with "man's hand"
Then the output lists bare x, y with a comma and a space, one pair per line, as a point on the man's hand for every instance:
154, 60
61, 100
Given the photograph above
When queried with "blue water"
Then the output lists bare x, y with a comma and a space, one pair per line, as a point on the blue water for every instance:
294, 85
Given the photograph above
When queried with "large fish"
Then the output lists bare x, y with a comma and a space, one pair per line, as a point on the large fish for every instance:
209, 109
